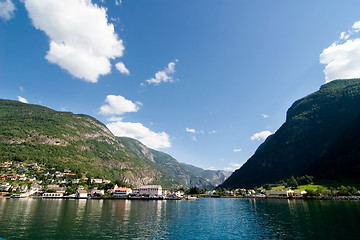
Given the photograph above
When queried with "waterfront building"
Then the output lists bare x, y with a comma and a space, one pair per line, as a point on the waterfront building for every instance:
52, 195
57, 188
81, 194
278, 193
122, 191
96, 192
148, 190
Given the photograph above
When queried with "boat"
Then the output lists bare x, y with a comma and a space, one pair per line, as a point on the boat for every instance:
191, 198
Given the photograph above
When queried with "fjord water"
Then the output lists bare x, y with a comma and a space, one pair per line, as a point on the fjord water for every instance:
201, 219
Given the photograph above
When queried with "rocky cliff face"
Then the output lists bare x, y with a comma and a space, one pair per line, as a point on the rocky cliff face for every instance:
316, 139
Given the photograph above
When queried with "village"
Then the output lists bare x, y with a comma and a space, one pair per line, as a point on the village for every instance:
21, 180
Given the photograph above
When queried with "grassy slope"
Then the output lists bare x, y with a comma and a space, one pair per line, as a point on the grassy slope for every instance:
65, 140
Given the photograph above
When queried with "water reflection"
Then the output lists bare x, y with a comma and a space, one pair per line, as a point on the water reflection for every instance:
202, 219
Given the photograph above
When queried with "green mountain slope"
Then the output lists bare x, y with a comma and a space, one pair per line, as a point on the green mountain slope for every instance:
320, 137
80, 143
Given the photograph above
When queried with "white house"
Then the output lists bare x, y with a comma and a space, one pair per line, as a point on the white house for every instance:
96, 180
298, 193
81, 194
122, 191
155, 190
97, 192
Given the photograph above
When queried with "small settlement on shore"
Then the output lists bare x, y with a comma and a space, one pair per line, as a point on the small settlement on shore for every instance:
21, 180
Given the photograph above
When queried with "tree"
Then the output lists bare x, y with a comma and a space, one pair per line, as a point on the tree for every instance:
292, 183
305, 180
267, 186
194, 190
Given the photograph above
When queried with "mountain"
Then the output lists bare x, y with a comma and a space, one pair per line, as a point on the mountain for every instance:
175, 172
84, 145
320, 138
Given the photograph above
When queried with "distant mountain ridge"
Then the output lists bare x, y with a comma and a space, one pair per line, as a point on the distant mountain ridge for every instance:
178, 173
320, 137
84, 145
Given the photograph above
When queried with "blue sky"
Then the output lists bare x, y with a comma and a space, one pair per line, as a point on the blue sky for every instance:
205, 81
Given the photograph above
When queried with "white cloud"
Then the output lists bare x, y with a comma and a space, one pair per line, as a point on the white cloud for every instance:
265, 115
118, 105
114, 119
164, 76
237, 165
261, 135
212, 132
356, 26
141, 133
342, 58
191, 130
7, 9
21, 89
233, 167
229, 169
211, 168
237, 150
81, 40
23, 100
118, 2
121, 67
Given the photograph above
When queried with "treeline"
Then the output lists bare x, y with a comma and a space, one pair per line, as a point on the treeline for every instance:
291, 182
341, 191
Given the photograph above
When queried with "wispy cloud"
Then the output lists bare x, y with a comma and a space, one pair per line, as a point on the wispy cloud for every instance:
165, 75
265, 115
191, 130
82, 41
261, 135
237, 150
121, 67
23, 100
7, 9
342, 58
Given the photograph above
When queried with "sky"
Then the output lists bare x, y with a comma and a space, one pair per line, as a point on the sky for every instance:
204, 81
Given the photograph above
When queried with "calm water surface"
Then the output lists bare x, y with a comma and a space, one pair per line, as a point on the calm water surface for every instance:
201, 219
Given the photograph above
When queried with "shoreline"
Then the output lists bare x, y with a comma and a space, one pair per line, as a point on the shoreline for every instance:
325, 198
